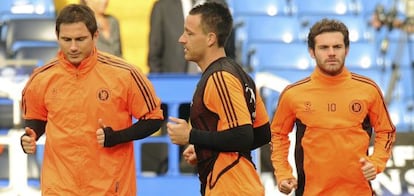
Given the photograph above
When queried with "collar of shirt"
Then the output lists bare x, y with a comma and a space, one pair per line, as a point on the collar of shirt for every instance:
85, 66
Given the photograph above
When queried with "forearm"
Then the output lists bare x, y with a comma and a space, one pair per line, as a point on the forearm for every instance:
382, 149
139, 130
279, 156
38, 126
261, 136
239, 139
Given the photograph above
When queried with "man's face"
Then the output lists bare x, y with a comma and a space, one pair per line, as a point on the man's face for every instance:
76, 42
194, 40
330, 52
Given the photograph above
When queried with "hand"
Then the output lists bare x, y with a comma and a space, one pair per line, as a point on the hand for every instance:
179, 131
286, 186
28, 141
189, 155
100, 134
368, 169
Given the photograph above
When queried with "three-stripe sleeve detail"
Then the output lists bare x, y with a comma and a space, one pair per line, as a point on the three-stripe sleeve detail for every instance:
225, 98
138, 78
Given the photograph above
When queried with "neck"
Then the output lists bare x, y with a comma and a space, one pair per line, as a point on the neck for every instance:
210, 57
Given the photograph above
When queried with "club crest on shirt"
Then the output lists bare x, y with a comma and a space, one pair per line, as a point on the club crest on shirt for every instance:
54, 93
356, 106
307, 106
103, 94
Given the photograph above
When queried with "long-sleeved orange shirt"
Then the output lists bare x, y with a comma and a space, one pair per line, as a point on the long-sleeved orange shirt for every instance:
330, 115
72, 99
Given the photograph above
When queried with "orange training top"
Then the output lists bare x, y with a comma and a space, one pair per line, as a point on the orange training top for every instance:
224, 95
72, 99
330, 115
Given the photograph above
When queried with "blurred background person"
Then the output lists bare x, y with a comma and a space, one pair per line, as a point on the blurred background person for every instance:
109, 39
166, 55
399, 16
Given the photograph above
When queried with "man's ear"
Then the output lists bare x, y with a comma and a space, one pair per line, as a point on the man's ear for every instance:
212, 39
311, 52
95, 35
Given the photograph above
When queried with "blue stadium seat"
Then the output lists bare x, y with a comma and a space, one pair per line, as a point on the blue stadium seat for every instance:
321, 7
23, 8
270, 99
273, 28
184, 86
363, 55
20, 9
394, 34
266, 29
185, 185
292, 75
278, 55
402, 115
41, 53
380, 76
41, 33
404, 89
399, 94
264, 7
6, 113
400, 52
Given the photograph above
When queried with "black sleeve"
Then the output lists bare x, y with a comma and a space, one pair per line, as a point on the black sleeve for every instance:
140, 129
239, 139
38, 126
261, 136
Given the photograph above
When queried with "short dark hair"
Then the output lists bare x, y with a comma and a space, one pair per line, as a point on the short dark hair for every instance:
74, 13
327, 25
215, 17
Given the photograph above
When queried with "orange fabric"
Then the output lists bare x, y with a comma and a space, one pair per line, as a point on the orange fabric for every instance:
242, 179
72, 100
332, 110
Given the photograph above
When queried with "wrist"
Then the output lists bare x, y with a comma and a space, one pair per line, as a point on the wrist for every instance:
111, 137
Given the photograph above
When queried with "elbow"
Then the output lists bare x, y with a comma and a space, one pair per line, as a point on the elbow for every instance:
262, 136
245, 140
156, 125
